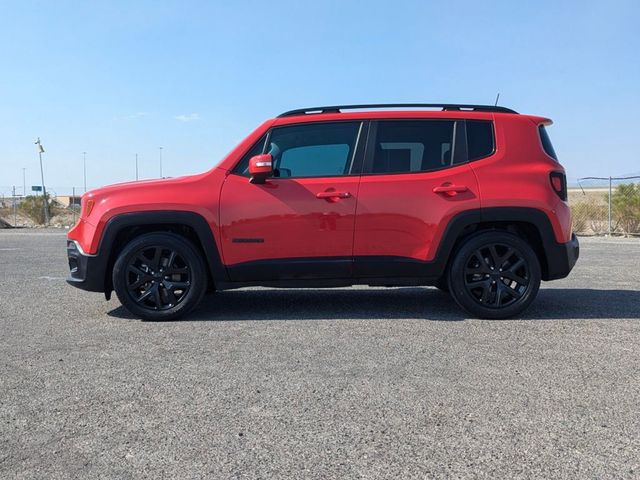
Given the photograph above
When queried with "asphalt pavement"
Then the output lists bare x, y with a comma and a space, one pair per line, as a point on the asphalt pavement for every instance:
338, 383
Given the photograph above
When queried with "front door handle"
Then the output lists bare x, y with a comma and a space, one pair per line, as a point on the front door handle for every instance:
333, 194
450, 189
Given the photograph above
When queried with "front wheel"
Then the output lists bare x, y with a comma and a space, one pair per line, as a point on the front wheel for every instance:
494, 275
159, 276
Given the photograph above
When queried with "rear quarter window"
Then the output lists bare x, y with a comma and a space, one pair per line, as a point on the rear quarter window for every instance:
546, 143
480, 139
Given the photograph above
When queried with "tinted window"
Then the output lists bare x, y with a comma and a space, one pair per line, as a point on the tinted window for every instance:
313, 150
479, 139
546, 143
412, 146
242, 168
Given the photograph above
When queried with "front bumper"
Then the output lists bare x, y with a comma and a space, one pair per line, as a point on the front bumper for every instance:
561, 258
86, 271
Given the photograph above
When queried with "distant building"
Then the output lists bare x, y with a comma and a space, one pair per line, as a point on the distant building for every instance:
68, 201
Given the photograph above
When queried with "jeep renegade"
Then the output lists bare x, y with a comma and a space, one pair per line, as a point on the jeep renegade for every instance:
468, 198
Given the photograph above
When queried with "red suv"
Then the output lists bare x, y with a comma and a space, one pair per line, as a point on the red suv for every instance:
468, 198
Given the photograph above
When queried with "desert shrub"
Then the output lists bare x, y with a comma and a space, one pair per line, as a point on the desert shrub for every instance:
625, 207
589, 217
33, 207
579, 217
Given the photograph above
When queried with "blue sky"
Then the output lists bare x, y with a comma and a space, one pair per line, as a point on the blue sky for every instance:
119, 77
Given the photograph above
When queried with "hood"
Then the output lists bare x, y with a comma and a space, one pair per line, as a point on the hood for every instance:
142, 184
189, 193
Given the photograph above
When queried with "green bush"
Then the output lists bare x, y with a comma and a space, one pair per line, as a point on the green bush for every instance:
33, 207
625, 207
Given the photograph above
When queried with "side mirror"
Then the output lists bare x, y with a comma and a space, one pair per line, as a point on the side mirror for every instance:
260, 168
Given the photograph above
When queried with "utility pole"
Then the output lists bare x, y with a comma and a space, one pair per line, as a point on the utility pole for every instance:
15, 208
136, 167
73, 203
84, 169
24, 182
160, 161
609, 206
44, 190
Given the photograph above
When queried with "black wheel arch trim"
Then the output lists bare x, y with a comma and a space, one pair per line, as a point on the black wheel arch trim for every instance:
96, 276
556, 259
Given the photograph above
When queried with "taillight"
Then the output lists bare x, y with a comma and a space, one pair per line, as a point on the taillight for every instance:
559, 184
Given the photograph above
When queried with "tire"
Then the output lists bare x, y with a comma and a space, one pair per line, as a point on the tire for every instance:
159, 276
494, 275
442, 284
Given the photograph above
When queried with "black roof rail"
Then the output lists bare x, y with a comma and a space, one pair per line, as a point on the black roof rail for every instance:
443, 106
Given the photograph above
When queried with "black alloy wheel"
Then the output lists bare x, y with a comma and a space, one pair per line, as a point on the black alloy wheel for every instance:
159, 276
494, 274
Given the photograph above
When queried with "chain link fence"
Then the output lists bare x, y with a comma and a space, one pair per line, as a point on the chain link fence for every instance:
606, 206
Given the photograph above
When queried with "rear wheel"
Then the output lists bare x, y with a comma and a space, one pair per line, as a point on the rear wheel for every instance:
159, 276
494, 275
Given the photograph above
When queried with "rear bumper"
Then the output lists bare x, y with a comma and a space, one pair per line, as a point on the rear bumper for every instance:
561, 258
86, 271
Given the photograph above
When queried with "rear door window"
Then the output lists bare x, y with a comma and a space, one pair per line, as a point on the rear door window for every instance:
406, 146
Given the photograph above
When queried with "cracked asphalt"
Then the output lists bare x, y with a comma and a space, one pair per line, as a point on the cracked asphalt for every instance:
340, 383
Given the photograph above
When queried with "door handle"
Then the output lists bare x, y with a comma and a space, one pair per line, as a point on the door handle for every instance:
333, 195
450, 189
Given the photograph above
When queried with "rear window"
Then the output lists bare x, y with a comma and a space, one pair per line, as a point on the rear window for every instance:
546, 143
479, 139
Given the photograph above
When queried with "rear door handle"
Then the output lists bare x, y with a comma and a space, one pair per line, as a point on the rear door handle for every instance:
450, 189
333, 195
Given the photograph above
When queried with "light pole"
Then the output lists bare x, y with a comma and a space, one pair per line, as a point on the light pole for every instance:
15, 208
136, 167
24, 182
84, 169
160, 148
44, 190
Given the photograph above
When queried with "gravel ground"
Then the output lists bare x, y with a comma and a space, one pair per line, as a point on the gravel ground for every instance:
342, 383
